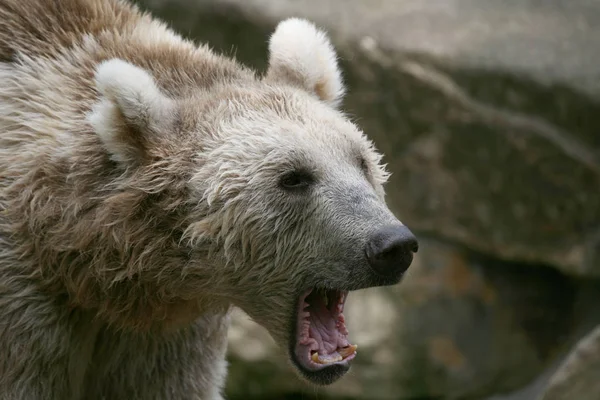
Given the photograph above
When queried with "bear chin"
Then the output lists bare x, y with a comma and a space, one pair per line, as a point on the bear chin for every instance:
319, 345
325, 376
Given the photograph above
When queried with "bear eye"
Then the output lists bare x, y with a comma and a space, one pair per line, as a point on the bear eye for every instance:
296, 180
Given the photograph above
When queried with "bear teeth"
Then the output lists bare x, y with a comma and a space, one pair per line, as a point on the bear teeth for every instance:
335, 356
348, 351
326, 358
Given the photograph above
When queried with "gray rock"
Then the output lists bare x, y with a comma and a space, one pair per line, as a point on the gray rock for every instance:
579, 376
487, 111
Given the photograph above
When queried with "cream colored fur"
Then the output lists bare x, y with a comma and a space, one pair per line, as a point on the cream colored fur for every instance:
301, 53
140, 199
131, 97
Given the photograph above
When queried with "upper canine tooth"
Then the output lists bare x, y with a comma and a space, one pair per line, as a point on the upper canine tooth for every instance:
347, 351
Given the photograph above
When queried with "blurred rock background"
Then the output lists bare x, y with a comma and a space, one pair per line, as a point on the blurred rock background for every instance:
488, 113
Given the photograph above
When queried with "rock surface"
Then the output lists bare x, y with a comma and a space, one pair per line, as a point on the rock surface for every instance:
579, 377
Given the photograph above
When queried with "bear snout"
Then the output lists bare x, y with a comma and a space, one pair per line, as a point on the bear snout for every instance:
390, 250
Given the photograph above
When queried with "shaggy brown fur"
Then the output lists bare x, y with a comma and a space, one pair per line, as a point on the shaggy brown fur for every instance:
77, 233
123, 247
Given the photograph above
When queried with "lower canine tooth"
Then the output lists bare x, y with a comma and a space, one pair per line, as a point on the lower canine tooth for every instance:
334, 357
315, 357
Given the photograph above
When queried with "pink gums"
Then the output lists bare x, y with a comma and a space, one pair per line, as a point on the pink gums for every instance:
321, 328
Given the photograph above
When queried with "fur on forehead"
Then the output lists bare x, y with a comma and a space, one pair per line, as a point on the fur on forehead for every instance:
303, 56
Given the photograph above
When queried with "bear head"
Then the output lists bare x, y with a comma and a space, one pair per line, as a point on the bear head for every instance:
280, 197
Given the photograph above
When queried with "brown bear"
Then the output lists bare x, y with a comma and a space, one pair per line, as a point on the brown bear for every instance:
148, 185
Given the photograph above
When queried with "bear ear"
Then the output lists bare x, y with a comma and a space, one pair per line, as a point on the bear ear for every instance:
303, 55
132, 110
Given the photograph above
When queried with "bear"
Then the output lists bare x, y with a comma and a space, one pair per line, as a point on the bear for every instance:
149, 185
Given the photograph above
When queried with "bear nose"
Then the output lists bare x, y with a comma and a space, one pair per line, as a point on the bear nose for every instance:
390, 250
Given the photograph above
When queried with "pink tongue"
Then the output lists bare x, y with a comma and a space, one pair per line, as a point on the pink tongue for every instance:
323, 328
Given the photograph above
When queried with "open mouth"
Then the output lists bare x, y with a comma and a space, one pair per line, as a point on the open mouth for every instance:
322, 350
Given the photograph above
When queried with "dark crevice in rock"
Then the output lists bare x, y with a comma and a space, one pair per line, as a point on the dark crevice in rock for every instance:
543, 301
